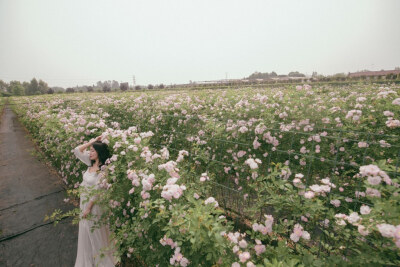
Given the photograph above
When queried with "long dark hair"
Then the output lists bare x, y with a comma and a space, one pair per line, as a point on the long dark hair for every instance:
102, 152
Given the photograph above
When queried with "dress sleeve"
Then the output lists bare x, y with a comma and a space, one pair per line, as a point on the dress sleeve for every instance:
84, 157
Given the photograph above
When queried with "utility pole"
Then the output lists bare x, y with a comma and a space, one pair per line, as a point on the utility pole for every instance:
134, 81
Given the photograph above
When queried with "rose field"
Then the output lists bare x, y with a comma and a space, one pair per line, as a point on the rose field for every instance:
281, 176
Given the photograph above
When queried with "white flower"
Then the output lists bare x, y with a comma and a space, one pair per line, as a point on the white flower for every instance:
364, 210
362, 230
252, 163
259, 248
388, 113
172, 191
396, 101
369, 170
335, 202
204, 177
211, 200
373, 192
182, 153
392, 123
244, 256
306, 235
374, 180
164, 153
294, 237
309, 194
386, 230
243, 243
243, 129
353, 217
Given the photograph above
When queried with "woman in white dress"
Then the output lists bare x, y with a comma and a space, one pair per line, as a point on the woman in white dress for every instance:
90, 243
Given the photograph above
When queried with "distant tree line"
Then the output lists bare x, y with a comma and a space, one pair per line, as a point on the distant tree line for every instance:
34, 87
37, 87
273, 74
260, 75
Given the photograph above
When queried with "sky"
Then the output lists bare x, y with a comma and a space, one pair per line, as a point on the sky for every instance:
79, 42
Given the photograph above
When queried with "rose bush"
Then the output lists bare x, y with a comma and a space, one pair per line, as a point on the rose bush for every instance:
316, 165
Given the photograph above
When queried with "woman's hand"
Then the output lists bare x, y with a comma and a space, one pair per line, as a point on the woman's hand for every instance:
86, 213
98, 138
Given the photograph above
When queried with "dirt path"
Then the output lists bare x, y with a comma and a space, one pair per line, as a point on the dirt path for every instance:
29, 191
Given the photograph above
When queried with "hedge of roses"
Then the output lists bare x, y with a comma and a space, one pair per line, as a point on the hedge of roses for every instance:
2, 102
317, 164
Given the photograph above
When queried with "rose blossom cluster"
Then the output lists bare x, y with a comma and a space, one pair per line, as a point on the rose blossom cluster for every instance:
374, 175
177, 258
102, 182
264, 229
204, 177
134, 178
181, 154
285, 173
335, 202
259, 247
260, 128
253, 163
322, 189
170, 167
146, 134
391, 123
211, 200
267, 137
147, 183
388, 113
164, 153
396, 101
385, 92
391, 231
354, 114
168, 241
146, 153
297, 181
354, 219
298, 232
256, 144
172, 190
240, 243
361, 99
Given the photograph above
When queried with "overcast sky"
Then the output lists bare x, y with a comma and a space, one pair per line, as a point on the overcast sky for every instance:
77, 42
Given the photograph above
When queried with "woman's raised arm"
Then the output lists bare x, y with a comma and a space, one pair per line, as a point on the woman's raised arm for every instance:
81, 152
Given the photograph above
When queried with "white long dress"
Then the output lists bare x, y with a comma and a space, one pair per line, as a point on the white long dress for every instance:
90, 243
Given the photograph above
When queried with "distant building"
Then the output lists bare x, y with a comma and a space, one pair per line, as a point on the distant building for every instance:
373, 73
218, 81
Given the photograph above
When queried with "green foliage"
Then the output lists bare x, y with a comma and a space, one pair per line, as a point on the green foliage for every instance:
209, 127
